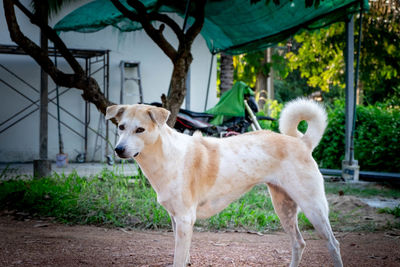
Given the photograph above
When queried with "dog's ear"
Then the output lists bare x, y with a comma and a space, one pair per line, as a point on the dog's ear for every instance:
158, 115
115, 111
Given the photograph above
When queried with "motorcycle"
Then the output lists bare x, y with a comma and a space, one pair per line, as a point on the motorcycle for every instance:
189, 122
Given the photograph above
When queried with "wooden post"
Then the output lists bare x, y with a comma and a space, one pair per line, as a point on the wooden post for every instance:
42, 167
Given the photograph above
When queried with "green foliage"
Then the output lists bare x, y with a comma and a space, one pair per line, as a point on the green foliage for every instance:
274, 109
291, 87
248, 66
377, 136
115, 200
395, 211
318, 55
361, 190
376, 142
330, 151
107, 199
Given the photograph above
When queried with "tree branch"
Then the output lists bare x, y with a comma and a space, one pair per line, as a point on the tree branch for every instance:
199, 14
144, 18
31, 48
88, 85
170, 22
53, 36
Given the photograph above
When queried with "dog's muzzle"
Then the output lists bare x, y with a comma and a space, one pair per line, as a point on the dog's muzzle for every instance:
120, 150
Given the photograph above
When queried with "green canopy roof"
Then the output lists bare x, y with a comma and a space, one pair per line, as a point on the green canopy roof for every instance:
232, 26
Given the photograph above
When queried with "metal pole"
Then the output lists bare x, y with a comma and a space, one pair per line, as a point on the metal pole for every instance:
60, 142
186, 15
106, 88
350, 168
355, 86
209, 81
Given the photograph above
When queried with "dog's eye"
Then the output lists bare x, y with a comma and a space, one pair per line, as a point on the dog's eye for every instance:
121, 127
140, 130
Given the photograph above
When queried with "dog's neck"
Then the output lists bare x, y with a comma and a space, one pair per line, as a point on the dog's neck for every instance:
155, 159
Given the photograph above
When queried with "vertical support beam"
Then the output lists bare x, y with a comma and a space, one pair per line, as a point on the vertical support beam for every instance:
209, 81
350, 168
270, 78
107, 90
43, 131
187, 98
42, 167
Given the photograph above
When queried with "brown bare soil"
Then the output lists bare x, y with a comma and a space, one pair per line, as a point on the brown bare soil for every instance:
45, 243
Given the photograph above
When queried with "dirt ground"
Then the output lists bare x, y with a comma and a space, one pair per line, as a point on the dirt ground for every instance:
44, 243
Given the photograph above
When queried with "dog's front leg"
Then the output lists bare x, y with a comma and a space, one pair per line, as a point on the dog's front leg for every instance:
173, 223
183, 237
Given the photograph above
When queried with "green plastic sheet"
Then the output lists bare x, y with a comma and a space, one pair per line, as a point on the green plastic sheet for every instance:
231, 26
231, 103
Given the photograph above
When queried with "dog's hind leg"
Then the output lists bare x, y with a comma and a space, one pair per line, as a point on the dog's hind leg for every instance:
318, 214
286, 209
310, 196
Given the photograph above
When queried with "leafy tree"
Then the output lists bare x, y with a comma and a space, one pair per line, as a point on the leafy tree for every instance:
320, 57
253, 69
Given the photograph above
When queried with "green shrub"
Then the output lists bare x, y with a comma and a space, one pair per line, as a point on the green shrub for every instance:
330, 151
376, 142
377, 136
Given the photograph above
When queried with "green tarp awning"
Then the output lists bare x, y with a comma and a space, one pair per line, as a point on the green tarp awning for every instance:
232, 26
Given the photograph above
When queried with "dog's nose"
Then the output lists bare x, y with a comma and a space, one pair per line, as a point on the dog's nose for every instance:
120, 150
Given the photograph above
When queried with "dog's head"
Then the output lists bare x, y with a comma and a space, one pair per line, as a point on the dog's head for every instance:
138, 126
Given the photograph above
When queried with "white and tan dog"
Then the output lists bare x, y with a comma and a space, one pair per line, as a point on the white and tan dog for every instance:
197, 177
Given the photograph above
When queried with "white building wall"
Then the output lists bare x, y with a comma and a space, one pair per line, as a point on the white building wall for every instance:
20, 143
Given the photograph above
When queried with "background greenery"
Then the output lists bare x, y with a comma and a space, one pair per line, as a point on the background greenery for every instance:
114, 200
377, 136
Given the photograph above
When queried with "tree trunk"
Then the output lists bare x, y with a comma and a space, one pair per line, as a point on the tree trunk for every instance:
226, 75
177, 94
261, 84
264, 82
261, 89
181, 58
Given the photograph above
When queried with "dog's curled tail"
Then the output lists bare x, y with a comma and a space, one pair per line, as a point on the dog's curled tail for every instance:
304, 109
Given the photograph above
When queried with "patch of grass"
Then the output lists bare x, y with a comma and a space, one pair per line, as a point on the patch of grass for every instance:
394, 211
106, 199
110, 198
253, 211
362, 190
